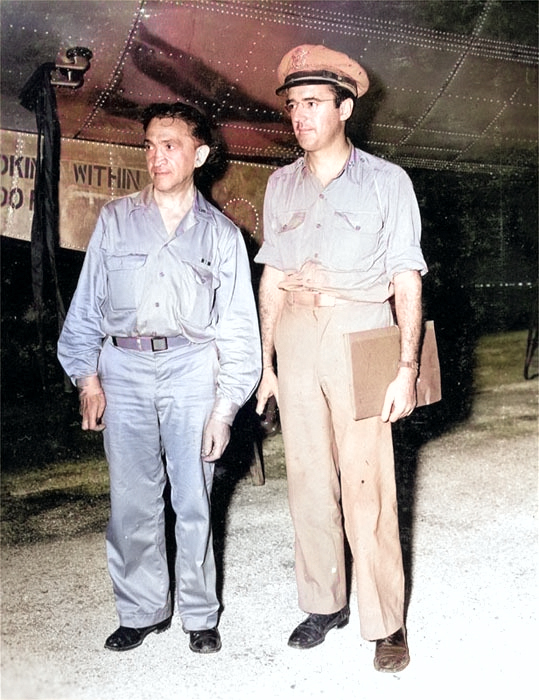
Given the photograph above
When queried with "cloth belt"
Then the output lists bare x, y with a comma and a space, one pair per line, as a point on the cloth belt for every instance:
315, 299
152, 344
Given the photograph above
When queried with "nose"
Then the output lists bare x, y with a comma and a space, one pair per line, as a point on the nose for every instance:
155, 154
300, 115
158, 154
298, 120
298, 112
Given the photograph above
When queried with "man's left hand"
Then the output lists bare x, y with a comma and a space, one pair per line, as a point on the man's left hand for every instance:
215, 439
401, 397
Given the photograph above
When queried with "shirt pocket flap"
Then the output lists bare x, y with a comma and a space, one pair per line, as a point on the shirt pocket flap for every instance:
202, 269
130, 261
288, 221
369, 222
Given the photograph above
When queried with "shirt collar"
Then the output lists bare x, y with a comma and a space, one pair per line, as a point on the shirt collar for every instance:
354, 156
145, 199
350, 163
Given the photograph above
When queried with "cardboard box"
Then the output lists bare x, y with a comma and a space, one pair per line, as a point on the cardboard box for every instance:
373, 358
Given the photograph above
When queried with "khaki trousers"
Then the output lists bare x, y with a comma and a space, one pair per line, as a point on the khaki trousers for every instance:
341, 477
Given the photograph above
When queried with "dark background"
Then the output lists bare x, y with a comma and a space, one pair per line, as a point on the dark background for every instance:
480, 243
453, 100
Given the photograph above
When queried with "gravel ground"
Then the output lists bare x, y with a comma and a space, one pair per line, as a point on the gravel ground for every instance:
472, 557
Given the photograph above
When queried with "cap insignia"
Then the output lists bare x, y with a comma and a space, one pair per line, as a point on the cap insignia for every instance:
298, 59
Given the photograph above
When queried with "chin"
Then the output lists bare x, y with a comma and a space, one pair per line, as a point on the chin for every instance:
305, 140
160, 183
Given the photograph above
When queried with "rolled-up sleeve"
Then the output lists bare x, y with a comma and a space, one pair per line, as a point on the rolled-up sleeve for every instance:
269, 253
403, 224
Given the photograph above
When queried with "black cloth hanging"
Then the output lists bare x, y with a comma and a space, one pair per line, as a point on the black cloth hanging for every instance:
38, 96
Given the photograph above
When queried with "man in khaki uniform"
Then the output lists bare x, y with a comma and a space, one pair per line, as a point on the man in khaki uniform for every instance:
341, 243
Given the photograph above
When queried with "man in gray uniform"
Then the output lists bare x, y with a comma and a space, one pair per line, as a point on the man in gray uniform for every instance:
162, 341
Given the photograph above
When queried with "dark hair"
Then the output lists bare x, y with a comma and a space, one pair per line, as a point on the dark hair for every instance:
202, 130
341, 94
200, 126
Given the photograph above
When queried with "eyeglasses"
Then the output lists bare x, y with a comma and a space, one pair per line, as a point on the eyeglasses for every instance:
310, 105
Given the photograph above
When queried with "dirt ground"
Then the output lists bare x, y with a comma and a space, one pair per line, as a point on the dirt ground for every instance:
470, 541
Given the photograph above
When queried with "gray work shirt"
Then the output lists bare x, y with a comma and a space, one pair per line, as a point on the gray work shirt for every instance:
348, 239
137, 280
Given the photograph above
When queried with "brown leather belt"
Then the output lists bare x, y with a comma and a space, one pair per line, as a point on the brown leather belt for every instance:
151, 344
315, 299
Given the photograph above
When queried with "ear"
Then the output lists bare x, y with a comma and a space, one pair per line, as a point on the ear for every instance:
202, 154
346, 108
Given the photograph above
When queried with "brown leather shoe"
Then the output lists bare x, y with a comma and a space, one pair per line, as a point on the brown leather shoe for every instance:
392, 654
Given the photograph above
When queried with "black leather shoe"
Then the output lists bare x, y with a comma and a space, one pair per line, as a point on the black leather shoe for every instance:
126, 638
205, 641
313, 630
392, 653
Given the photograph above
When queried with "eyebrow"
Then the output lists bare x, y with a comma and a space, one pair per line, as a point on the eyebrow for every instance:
313, 98
149, 141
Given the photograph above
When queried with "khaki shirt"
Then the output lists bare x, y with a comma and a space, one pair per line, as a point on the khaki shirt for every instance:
348, 239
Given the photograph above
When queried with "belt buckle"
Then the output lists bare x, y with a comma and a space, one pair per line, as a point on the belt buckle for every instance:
159, 344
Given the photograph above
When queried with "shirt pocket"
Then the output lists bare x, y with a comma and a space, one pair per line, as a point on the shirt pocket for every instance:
203, 276
196, 293
354, 239
290, 221
125, 276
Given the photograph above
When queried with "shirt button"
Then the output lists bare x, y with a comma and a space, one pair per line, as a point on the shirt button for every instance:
161, 274
156, 303
316, 255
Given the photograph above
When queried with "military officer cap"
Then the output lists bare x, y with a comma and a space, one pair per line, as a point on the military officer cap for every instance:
308, 64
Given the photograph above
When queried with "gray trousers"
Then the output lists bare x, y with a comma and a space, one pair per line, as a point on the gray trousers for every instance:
157, 406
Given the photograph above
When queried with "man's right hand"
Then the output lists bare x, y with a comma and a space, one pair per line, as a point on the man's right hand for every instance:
92, 403
268, 387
